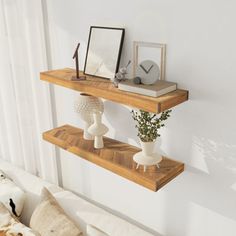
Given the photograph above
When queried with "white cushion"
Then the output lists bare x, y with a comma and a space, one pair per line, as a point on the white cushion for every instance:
93, 231
9, 226
11, 195
80, 210
49, 219
32, 185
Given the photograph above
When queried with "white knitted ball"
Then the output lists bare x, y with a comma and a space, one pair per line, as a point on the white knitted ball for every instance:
86, 105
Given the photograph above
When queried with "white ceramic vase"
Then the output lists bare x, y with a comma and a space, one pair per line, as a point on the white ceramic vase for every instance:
98, 130
85, 106
147, 157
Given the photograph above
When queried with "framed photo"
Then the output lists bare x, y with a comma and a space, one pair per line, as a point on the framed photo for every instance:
104, 51
148, 52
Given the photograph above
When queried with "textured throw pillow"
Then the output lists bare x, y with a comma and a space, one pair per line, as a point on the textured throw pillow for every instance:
10, 226
49, 219
93, 231
11, 195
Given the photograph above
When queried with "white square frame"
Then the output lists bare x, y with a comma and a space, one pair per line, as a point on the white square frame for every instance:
138, 44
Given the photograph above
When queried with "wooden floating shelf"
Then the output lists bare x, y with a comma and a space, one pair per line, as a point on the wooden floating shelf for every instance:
115, 156
104, 89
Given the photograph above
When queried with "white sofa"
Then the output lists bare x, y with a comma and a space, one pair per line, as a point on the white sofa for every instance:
81, 211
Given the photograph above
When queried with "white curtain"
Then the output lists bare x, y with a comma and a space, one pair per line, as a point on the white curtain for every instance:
25, 108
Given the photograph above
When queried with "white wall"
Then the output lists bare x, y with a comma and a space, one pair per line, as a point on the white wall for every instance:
201, 57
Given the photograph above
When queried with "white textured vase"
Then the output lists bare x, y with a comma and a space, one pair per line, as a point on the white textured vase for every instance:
98, 130
85, 106
147, 157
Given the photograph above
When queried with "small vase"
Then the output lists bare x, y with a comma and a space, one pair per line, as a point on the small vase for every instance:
147, 157
85, 106
98, 130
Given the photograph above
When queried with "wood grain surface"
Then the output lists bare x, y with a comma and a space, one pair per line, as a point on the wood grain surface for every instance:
104, 89
116, 157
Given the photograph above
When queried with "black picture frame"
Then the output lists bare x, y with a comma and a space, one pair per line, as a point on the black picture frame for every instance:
116, 64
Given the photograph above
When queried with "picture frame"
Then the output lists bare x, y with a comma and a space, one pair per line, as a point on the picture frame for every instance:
153, 51
104, 51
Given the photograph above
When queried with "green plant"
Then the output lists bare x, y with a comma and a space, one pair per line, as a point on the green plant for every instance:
148, 124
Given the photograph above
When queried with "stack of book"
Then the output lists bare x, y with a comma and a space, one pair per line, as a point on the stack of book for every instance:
160, 88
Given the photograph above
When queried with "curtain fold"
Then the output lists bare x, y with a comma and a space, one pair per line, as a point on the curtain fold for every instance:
24, 101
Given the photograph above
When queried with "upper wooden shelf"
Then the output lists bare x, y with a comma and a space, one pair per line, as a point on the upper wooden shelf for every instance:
104, 89
115, 156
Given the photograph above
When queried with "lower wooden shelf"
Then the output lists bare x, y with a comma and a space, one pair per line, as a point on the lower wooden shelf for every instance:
115, 156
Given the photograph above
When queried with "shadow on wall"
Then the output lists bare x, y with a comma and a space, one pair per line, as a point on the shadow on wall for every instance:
210, 177
209, 180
